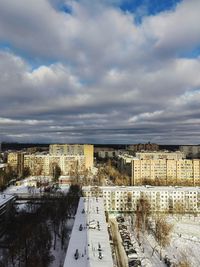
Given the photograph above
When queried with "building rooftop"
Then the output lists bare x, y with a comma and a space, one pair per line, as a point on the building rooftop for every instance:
144, 188
89, 244
5, 198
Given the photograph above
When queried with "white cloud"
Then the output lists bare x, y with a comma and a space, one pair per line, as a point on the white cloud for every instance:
176, 31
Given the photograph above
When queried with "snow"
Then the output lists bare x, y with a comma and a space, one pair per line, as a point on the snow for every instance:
144, 252
185, 239
185, 242
4, 198
91, 239
59, 252
21, 189
146, 188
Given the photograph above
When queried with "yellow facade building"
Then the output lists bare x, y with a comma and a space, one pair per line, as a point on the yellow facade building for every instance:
74, 150
72, 159
166, 171
16, 162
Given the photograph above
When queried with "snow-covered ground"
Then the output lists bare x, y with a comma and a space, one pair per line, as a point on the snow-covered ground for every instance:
28, 186
185, 242
145, 250
21, 189
60, 253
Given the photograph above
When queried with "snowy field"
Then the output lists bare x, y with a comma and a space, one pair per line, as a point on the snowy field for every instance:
185, 240
184, 245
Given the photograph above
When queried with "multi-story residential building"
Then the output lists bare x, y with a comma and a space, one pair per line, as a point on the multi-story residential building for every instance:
16, 161
163, 199
71, 159
74, 150
124, 163
44, 164
175, 171
161, 168
107, 152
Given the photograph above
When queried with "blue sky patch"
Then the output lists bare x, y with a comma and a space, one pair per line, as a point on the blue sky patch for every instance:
142, 8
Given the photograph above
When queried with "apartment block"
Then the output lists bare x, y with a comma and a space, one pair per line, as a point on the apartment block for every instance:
107, 152
74, 150
161, 198
71, 159
44, 164
160, 167
176, 171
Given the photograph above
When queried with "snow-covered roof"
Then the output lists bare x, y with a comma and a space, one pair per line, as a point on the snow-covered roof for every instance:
89, 241
5, 198
144, 188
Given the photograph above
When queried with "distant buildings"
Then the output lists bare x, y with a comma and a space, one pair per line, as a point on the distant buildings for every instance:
71, 159
164, 199
45, 164
160, 168
74, 150
106, 152
160, 155
143, 147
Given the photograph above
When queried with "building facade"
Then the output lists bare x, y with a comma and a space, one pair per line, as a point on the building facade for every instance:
160, 155
45, 164
186, 172
72, 160
163, 199
160, 168
74, 150
16, 162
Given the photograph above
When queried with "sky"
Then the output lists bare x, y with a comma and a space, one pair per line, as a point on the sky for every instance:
100, 71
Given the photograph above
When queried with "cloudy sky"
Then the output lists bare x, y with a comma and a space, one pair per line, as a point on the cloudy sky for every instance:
100, 71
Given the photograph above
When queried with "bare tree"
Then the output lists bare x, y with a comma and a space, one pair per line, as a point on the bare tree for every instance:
143, 210
56, 171
179, 208
163, 230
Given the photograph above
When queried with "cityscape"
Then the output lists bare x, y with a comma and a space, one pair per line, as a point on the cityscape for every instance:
94, 205
99, 133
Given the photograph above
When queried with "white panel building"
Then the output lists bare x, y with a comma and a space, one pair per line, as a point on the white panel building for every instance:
168, 198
